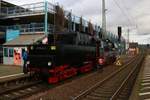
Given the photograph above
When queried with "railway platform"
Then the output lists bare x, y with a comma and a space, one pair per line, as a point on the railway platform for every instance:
7, 71
141, 89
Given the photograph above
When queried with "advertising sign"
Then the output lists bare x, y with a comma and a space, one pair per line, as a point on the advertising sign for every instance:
11, 34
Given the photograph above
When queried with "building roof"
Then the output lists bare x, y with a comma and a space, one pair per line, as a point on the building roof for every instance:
25, 39
6, 4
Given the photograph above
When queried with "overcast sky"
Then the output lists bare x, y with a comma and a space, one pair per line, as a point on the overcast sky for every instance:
130, 14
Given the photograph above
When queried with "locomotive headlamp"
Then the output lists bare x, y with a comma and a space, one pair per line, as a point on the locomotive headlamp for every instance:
28, 62
31, 47
113, 48
49, 63
53, 47
107, 40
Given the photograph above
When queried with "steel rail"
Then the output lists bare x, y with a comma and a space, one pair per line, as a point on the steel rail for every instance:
86, 92
120, 89
9, 86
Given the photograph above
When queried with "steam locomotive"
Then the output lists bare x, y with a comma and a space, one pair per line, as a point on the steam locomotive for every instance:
68, 54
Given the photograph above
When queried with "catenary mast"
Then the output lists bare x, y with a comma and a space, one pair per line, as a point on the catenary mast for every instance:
103, 20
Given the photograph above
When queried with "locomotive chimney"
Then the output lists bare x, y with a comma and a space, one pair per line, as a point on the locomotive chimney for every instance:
119, 33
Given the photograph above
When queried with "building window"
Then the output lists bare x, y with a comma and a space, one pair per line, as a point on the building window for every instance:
11, 52
5, 52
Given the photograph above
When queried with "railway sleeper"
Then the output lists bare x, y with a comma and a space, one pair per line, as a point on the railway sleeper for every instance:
103, 92
124, 95
91, 97
20, 93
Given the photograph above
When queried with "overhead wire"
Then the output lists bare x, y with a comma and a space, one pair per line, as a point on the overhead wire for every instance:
123, 12
131, 23
133, 19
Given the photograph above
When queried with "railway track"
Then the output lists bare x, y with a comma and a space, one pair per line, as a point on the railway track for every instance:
20, 87
116, 86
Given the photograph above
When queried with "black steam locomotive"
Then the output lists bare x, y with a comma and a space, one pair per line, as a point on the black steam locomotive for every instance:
68, 54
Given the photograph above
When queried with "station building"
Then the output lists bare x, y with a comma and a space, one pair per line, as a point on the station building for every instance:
28, 24
23, 25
